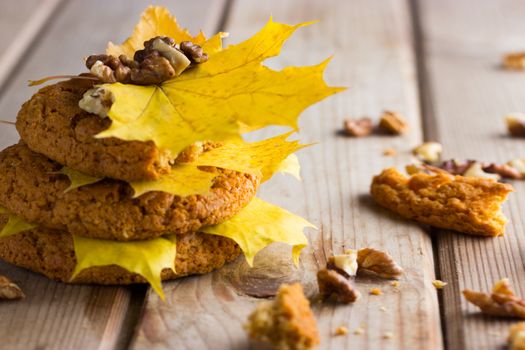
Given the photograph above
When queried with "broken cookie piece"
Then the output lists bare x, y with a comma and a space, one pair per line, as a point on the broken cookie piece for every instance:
287, 323
516, 338
500, 302
9, 290
439, 199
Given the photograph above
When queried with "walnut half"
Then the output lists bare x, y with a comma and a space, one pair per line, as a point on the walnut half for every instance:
336, 281
501, 302
9, 290
377, 262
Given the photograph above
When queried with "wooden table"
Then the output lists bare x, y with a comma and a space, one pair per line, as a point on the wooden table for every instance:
436, 62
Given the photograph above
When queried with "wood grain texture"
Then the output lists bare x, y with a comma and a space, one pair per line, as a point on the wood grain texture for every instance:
20, 22
371, 41
468, 95
55, 315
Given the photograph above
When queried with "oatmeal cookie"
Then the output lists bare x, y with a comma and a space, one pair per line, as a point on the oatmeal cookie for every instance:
469, 205
53, 124
51, 253
107, 209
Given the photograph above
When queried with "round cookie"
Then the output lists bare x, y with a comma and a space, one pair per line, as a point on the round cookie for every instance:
107, 209
51, 253
53, 124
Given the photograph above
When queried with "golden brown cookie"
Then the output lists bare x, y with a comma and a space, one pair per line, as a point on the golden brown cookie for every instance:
464, 204
51, 123
107, 209
51, 253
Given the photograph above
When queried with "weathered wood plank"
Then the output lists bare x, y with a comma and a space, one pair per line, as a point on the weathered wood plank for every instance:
20, 23
372, 45
55, 315
468, 96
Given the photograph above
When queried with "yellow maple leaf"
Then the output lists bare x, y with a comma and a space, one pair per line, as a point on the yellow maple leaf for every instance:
147, 258
260, 224
154, 21
264, 158
231, 93
184, 180
77, 179
14, 224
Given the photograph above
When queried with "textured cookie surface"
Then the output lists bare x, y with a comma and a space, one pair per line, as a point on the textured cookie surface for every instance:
51, 123
51, 253
464, 204
107, 209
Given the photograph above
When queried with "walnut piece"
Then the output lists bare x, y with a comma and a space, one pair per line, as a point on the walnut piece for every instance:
378, 263
516, 124
515, 61
160, 60
501, 302
336, 287
9, 290
193, 52
476, 170
97, 101
438, 284
393, 123
428, 152
516, 337
346, 262
358, 127
287, 323
519, 165
502, 170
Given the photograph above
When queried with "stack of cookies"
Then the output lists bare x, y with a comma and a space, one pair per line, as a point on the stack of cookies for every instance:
55, 133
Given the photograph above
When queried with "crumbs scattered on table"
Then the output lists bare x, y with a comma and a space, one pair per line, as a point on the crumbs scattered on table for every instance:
389, 152
394, 284
359, 330
388, 335
383, 309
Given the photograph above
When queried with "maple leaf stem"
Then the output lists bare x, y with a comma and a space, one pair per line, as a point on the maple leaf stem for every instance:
7, 122
46, 79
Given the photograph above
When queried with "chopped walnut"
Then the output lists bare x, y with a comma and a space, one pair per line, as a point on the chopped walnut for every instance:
378, 263
476, 170
501, 302
516, 124
514, 61
193, 51
394, 284
336, 287
359, 331
503, 170
456, 167
428, 152
160, 60
519, 165
516, 337
97, 101
358, 127
438, 284
9, 290
393, 123
345, 262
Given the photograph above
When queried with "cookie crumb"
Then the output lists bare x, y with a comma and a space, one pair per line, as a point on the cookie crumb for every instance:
375, 291
359, 331
342, 330
389, 152
388, 335
383, 309
394, 284
438, 284
514, 61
